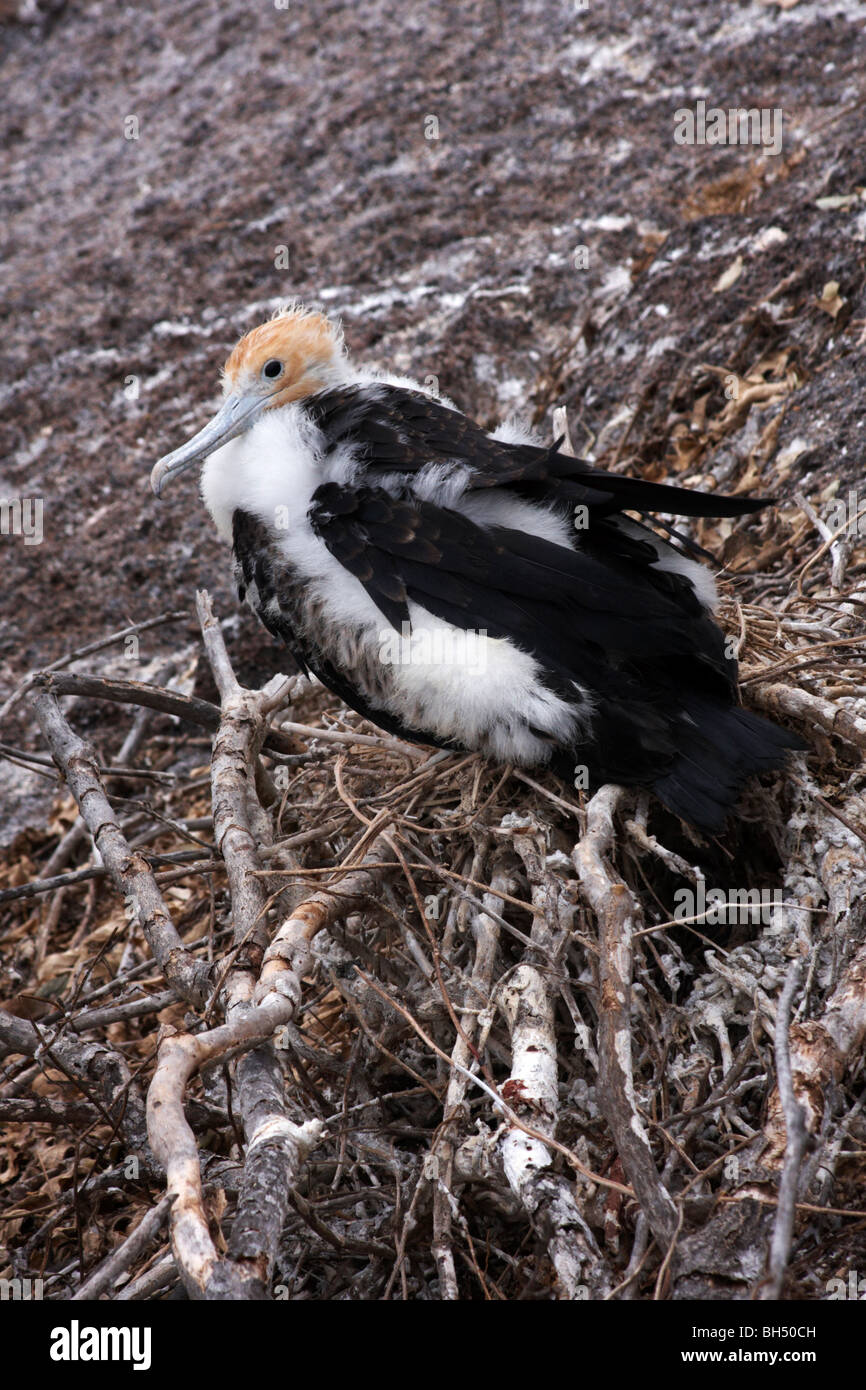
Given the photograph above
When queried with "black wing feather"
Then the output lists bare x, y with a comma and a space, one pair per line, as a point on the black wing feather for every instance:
399, 430
575, 611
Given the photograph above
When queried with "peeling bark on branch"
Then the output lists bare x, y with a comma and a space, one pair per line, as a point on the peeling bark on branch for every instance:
130, 872
618, 916
527, 1000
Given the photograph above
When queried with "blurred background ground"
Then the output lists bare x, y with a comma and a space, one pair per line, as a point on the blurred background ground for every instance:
261, 127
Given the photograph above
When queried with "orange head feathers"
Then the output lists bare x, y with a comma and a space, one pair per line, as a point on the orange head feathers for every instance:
296, 353
289, 357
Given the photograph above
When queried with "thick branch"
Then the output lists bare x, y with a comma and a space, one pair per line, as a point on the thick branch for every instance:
129, 871
617, 914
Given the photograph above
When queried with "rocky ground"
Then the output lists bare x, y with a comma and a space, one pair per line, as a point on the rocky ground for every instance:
488, 194
260, 127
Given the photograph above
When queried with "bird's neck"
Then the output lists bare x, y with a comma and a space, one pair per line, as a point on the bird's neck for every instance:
269, 471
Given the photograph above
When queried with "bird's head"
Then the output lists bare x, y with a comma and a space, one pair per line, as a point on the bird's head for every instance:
295, 354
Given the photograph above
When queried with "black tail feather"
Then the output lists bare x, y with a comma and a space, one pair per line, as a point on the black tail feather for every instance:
718, 753
636, 494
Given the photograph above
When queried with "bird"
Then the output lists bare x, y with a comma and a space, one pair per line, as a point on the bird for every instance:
472, 590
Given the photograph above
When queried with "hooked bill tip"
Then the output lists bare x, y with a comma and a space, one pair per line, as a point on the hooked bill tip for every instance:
158, 475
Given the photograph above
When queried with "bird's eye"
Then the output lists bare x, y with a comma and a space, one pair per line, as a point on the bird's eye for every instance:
272, 369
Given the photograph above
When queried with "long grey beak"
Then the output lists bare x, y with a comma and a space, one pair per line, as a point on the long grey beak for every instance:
233, 417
